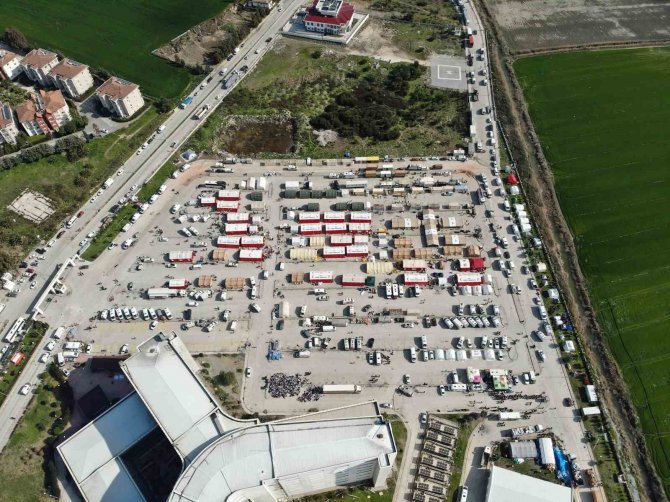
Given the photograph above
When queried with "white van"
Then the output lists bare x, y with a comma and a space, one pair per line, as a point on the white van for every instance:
412, 354
196, 266
319, 291
303, 311
253, 293
424, 342
232, 326
175, 208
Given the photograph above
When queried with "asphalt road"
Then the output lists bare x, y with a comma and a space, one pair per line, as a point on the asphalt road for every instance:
137, 169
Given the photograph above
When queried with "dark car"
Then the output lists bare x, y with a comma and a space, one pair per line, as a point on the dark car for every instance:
370, 343
60, 234
187, 314
24, 264
80, 214
280, 324
130, 286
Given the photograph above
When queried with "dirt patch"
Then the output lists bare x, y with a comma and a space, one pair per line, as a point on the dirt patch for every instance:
259, 134
373, 41
542, 200
223, 374
192, 47
537, 24
325, 137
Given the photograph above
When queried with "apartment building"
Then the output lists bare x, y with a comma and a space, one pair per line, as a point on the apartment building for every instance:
37, 64
120, 97
44, 112
8, 129
54, 109
30, 119
10, 65
71, 77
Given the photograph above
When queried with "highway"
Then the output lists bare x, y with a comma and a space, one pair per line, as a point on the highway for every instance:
137, 169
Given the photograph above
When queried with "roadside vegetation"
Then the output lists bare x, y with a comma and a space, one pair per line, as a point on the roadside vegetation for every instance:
67, 181
26, 346
111, 231
115, 41
605, 142
375, 108
28, 467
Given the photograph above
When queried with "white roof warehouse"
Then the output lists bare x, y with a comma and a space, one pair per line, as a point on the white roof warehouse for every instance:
219, 457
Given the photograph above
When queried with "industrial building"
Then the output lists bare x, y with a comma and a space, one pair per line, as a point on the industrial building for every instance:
169, 440
508, 486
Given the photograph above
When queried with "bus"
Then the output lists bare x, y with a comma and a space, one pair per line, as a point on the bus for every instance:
342, 389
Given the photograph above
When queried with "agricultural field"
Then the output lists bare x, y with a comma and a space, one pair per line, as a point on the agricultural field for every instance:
367, 107
538, 24
119, 40
602, 121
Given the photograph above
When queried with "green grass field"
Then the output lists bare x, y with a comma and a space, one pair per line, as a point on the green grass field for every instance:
602, 119
291, 79
118, 36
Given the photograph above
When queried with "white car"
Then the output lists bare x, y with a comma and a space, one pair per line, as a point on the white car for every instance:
44, 358
247, 372
153, 324
50, 346
25, 389
124, 349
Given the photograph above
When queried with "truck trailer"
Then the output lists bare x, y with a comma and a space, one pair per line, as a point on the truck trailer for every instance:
342, 389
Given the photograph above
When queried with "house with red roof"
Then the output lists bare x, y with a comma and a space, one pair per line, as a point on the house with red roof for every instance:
330, 17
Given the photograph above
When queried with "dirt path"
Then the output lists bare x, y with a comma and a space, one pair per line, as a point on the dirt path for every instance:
546, 211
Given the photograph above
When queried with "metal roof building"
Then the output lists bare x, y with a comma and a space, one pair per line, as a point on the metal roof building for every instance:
219, 457
508, 486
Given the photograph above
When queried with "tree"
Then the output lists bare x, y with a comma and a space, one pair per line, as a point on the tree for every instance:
225, 378
14, 38
164, 105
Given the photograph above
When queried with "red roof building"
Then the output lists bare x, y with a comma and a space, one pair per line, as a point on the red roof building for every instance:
331, 17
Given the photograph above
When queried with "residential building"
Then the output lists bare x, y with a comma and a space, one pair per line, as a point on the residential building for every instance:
43, 112
37, 64
330, 17
71, 77
54, 109
8, 129
10, 65
30, 119
120, 97
171, 433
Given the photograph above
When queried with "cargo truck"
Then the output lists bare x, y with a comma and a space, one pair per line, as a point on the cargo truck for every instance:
342, 389
187, 101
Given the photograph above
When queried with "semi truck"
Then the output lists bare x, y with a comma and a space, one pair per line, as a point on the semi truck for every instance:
201, 112
232, 78
342, 389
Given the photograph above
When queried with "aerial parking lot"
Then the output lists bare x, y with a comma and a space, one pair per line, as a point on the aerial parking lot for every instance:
414, 289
